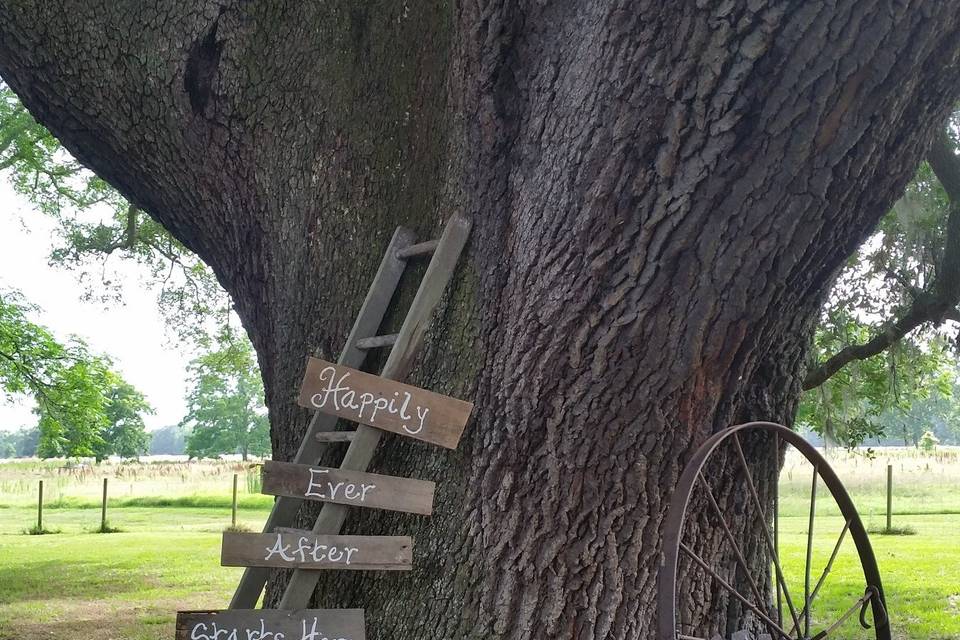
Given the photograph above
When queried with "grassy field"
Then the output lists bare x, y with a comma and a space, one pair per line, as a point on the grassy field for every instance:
127, 586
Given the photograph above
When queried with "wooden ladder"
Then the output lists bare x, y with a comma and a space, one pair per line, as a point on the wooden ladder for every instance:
404, 347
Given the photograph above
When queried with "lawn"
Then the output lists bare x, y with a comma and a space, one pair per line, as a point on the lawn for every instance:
117, 586
128, 585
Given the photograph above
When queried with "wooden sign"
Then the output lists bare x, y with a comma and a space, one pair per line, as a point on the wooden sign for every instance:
270, 624
384, 404
347, 487
290, 551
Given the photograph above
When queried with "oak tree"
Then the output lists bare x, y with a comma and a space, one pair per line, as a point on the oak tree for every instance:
661, 196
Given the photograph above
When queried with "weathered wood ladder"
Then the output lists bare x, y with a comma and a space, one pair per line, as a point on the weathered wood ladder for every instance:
404, 347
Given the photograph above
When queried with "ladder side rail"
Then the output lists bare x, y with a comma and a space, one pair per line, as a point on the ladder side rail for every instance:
367, 323
401, 358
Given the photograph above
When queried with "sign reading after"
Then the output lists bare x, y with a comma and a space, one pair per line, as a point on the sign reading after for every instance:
384, 404
292, 551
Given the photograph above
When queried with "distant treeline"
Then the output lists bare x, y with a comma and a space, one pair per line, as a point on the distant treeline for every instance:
168, 441
19, 444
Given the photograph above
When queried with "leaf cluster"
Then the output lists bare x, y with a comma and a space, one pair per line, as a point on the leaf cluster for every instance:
84, 408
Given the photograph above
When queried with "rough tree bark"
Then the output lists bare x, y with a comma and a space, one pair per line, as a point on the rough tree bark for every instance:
661, 193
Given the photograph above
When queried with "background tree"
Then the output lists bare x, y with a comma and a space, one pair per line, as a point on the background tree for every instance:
23, 440
167, 441
939, 412
662, 195
226, 412
125, 434
21, 443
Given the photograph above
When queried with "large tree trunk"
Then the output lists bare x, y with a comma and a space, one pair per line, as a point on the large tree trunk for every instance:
661, 193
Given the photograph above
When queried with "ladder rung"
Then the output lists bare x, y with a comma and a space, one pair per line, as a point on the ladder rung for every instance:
420, 249
377, 341
335, 436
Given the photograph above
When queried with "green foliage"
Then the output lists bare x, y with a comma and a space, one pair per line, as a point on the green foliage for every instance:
95, 222
929, 442
938, 413
871, 398
21, 443
125, 434
226, 412
84, 408
24, 441
66, 380
167, 441
909, 387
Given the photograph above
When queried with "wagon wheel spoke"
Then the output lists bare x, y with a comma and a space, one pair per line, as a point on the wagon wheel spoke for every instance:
776, 522
859, 604
766, 530
809, 560
759, 599
826, 569
736, 594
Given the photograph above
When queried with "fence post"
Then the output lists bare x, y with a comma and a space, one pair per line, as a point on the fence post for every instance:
233, 518
889, 497
103, 508
40, 509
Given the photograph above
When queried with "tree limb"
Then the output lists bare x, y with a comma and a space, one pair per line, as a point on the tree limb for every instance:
938, 301
129, 237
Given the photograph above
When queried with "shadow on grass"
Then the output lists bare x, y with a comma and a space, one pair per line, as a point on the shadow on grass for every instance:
65, 579
95, 623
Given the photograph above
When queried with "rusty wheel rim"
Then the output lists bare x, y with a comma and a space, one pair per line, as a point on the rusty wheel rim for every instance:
782, 619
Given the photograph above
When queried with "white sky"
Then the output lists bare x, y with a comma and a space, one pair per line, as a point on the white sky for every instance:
132, 332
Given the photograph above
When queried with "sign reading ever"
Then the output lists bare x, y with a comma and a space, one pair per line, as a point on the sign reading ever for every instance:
293, 551
347, 487
384, 404
266, 624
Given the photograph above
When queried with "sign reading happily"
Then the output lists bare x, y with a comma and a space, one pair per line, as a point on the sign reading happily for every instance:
384, 404
293, 551
341, 486
265, 624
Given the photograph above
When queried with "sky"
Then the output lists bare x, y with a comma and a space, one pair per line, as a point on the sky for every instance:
131, 332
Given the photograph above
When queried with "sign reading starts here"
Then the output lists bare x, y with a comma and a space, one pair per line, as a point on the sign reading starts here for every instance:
384, 404
263, 624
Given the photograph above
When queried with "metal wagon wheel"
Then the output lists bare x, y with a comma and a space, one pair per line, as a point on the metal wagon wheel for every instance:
782, 616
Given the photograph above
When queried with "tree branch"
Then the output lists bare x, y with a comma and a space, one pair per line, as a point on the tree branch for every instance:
129, 237
937, 302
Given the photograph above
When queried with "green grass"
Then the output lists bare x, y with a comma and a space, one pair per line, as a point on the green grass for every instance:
128, 586
921, 574
76, 585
